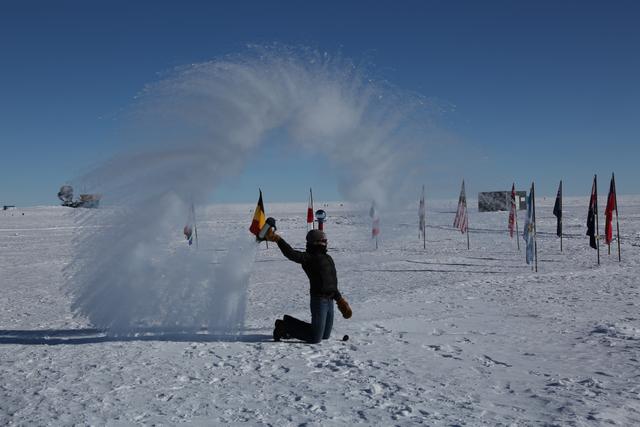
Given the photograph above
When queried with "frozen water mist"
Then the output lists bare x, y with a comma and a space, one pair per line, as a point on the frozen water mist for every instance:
199, 126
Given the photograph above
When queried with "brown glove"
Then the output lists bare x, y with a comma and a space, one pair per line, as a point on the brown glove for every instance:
344, 308
272, 236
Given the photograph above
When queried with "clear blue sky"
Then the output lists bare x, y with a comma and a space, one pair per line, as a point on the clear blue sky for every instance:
542, 90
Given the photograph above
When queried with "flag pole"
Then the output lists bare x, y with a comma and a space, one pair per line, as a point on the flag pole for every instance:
516, 218
424, 237
595, 180
195, 226
424, 223
467, 213
535, 239
517, 239
615, 197
266, 241
468, 246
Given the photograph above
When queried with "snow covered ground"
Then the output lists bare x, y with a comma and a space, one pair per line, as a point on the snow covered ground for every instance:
439, 336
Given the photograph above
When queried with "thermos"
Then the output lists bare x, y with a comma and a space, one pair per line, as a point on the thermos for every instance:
268, 225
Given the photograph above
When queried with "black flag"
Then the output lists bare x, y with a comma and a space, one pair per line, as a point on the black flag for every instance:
591, 217
557, 210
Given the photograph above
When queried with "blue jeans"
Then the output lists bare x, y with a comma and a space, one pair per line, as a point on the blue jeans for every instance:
321, 322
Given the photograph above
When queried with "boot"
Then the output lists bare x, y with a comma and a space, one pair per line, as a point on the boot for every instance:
279, 331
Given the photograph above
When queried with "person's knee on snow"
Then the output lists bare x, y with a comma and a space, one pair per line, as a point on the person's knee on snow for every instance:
328, 324
319, 313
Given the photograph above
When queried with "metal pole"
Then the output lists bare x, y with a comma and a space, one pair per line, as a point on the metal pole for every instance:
195, 226
516, 215
424, 223
595, 180
466, 210
468, 246
615, 193
535, 239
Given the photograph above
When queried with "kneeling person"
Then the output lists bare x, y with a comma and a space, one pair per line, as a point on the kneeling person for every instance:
323, 289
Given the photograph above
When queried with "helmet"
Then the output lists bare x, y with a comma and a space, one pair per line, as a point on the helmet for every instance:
316, 237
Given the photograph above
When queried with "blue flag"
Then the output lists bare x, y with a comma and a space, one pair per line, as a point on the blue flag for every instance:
529, 230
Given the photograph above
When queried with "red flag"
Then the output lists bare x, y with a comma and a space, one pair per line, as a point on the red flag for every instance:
461, 222
375, 231
612, 205
512, 212
310, 208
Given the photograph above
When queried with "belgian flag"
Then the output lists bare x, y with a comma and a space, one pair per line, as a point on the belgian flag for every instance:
259, 217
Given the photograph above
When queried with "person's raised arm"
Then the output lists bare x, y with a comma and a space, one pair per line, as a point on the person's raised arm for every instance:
285, 248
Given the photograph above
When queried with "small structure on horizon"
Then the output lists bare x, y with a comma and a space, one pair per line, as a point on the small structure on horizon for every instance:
492, 201
7, 207
86, 200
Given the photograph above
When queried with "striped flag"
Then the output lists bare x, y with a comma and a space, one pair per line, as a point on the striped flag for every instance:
512, 212
259, 218
461, 222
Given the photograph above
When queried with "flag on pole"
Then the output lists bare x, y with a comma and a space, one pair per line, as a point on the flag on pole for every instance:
461, 222
529, 234
422, 224
557, 210
188, 233
512, 211
375, 225
608, 212
591, 216
259, 218
310, 211
190, 230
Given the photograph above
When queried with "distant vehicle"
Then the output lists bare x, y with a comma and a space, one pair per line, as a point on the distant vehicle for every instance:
86, 200
491, 201
89, 200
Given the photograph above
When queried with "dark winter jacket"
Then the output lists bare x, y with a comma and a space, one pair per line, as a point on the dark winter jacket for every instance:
319, 266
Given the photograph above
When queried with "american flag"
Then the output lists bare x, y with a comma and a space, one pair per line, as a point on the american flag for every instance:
462, 221
512, 212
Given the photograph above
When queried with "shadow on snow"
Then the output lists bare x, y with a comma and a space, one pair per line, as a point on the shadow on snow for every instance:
94, 336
